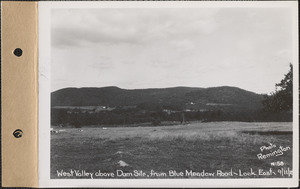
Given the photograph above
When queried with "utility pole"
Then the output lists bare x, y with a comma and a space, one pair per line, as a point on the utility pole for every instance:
183, 120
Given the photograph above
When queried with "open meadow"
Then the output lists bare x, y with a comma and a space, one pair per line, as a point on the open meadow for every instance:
194, 150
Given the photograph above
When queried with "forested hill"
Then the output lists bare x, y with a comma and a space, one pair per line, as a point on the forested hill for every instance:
177, 98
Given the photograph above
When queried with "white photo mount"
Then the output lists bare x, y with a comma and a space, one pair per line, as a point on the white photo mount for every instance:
128, 34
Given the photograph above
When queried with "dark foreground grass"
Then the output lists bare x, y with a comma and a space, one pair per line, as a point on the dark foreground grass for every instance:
160, 151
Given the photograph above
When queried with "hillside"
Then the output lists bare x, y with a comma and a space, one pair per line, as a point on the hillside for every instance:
177, 98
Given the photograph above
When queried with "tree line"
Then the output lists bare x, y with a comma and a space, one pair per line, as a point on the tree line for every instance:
123, 117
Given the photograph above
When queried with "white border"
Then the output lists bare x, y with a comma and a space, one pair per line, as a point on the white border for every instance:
44, 99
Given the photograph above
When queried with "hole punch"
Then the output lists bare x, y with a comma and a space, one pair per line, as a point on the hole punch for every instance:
18, 52
18, 133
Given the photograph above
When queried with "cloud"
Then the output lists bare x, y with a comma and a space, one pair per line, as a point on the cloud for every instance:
183, 44
81, 37
81, 28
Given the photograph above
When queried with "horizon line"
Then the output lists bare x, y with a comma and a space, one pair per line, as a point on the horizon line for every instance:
111, 86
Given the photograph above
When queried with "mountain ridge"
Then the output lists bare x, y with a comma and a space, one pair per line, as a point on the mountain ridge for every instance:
152, 88
169, 98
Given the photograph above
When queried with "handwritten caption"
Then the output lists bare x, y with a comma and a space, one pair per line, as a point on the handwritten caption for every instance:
283, 172
272, 151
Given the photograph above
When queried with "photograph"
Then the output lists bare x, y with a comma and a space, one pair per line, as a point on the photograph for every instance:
170, 92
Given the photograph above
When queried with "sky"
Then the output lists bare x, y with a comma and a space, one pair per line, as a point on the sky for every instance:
249, 48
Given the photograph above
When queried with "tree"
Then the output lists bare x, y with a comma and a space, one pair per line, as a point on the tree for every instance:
282, 99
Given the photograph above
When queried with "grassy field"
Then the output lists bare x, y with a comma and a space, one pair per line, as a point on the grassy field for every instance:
224, 149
